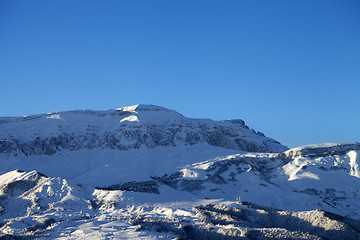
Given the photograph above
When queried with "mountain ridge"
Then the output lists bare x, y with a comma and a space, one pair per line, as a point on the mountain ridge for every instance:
125, 128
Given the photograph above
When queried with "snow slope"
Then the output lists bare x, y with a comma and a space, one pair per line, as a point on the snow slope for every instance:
90, 166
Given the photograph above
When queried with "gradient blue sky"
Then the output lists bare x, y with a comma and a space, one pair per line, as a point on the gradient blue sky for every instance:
290, 69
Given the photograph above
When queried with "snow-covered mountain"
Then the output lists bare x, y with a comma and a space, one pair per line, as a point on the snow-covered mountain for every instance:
146, 172
125, 128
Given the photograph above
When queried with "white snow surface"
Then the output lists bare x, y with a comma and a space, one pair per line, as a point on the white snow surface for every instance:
354, 163
104, 167
131, 118
73, 209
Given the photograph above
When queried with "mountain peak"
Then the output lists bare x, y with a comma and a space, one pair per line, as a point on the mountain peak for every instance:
142, 108
145, 113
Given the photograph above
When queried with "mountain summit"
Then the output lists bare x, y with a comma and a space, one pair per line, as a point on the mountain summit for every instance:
132, 127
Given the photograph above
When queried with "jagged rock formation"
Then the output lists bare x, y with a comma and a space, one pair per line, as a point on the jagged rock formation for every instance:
125, 128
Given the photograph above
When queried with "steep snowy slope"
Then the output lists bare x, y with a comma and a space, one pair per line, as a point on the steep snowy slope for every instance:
125, 128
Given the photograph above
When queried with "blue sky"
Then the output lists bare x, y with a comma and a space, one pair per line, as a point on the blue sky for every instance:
290, 69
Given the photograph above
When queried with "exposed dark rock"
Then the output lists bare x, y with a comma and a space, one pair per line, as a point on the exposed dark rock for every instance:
147, 186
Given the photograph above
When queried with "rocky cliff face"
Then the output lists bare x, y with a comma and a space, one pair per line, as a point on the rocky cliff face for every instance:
125, 128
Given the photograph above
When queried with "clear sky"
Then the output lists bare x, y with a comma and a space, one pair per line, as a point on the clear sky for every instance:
290, 69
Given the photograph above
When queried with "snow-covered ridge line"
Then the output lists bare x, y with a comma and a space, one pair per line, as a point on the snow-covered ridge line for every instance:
318, 150
125, 128
112, 112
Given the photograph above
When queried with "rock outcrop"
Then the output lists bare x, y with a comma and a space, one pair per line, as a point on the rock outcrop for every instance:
319, 150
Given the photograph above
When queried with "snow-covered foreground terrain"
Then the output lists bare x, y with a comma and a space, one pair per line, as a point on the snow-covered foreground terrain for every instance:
182, 189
